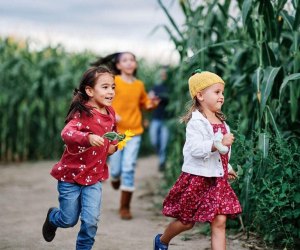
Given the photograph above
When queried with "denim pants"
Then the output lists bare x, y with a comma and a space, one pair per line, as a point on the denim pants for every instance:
159, 136
75, 200
122, 163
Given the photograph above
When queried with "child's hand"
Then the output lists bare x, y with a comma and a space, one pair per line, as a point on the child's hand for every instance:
118, 118
96, 140
146, 123
232, 175
218, 137
112, 149
151, 94
154, 101
228, 139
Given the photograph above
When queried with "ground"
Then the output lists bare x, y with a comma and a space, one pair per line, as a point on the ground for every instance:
27, 191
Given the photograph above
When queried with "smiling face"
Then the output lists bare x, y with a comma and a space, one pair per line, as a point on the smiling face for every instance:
103, 92
212, 97
127, 63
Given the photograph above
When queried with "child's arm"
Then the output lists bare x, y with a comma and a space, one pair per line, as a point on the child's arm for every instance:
198, 141
231, 173
72, 134
218, 145
148, 102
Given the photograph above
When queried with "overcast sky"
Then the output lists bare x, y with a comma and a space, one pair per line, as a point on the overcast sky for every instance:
97, 25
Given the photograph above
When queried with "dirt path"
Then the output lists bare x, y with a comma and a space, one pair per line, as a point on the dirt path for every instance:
27, 191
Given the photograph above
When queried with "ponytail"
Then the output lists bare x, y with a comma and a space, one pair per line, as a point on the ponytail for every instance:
193, 105
78, 104
111, 62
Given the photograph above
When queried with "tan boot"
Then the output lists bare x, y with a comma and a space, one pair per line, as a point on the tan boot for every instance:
125, 205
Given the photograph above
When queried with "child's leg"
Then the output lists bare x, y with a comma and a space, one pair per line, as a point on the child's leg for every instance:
69, 205
68, 212
90, 211
218, 237
164, 138
114, 162
130, 154
174, 228
153, 133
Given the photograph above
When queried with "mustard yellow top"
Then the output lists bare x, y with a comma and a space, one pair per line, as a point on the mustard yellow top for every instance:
128, 103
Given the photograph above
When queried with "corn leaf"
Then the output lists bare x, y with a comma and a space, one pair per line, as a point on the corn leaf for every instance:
288, 19
246, 11
175, 26
266, 87
273, 122
297, 18
286, 80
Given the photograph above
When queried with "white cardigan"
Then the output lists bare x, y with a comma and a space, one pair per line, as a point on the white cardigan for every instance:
198, 158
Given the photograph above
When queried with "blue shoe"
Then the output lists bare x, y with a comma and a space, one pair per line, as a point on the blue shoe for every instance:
158, 245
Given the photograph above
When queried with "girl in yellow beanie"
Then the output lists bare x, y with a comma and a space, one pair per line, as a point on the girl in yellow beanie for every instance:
202, 192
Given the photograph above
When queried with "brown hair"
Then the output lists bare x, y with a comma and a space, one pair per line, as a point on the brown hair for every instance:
80, 97
112, 60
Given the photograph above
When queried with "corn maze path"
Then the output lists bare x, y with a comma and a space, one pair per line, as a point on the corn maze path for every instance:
27, 191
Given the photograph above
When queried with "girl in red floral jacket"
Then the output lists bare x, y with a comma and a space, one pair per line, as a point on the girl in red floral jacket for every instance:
82, 166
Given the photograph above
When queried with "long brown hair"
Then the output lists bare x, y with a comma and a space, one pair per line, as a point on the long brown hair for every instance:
80, 97
112, 60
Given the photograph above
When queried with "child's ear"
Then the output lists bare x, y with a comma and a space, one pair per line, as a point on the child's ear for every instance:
200, 96
89, 91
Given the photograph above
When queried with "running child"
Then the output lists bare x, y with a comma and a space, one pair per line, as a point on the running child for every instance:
202, 192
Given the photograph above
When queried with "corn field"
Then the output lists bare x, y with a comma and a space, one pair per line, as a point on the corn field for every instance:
254, 46
36, 88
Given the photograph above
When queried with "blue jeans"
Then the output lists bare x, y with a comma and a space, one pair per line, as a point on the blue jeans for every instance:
122, 163
159, 136
75, 200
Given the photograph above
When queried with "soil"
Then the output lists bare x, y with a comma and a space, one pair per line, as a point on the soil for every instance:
27, 191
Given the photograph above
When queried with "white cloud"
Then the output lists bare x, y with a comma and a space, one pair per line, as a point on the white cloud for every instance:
94, 25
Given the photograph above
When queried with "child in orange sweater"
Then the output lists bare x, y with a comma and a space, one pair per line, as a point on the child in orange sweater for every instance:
129, 101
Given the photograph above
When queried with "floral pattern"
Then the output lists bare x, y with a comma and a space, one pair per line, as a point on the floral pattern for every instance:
82, 163
199, 199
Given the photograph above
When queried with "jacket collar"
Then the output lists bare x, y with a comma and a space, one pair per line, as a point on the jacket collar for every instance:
196, 115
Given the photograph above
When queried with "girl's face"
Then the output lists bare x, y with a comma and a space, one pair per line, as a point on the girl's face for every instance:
103, 92
212, 98
127, 63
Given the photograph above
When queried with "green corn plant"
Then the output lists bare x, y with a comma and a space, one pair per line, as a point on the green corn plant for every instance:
35, 92
34, 98
257, 53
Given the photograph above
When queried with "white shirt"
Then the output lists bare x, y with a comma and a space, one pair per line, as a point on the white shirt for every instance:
198, 158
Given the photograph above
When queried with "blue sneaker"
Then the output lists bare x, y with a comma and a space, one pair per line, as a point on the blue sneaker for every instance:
158, 245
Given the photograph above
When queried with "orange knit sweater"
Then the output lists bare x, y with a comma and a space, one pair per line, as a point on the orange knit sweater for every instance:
129, 101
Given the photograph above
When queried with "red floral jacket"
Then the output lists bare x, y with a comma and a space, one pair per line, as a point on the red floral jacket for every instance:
82, 163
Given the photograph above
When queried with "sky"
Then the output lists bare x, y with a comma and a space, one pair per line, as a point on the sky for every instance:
97, 25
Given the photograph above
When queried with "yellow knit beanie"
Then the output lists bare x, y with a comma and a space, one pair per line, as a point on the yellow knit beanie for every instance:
201, 80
